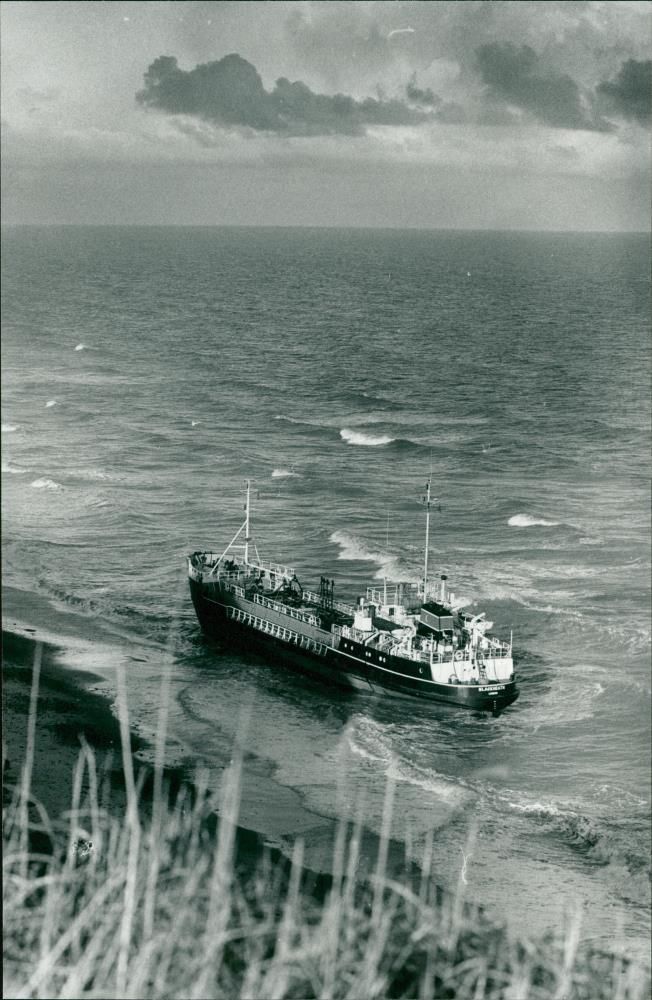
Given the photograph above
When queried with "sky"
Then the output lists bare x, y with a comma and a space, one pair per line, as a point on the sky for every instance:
429, 114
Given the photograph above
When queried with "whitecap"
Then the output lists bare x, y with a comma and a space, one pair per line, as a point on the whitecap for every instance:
427, 779
15, 470
602, 841
80, 347
45, 484
9, 428
354, 549
50, 402
193, 423
282, 473
527, 521
373, 742
360, 750
369, 440
538, 808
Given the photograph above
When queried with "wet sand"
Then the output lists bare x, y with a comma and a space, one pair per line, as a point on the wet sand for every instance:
271, 817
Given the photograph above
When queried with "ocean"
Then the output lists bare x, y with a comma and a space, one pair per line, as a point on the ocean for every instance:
147, 372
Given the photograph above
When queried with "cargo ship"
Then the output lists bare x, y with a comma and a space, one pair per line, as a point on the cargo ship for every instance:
404, 639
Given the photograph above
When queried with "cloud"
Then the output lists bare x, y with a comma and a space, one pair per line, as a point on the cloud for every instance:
513, 76
230, 91
629, 94
418, 95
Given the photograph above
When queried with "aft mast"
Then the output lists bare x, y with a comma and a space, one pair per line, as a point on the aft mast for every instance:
426, 501
247, 537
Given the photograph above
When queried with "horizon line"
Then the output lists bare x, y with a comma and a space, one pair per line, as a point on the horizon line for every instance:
252, 225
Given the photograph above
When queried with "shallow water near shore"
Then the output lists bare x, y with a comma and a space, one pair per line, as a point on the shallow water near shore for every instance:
337, 369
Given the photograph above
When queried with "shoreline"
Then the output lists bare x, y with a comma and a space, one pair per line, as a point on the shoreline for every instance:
67, 706
66, 709
271, 817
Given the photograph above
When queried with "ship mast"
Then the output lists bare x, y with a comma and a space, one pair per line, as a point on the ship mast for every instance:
385, 566
426, 500
246, 527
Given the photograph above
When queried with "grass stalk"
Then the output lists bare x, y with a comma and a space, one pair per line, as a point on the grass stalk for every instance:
28, 764
159, 910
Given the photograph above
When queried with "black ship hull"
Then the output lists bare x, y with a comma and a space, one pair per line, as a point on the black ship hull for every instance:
349, 665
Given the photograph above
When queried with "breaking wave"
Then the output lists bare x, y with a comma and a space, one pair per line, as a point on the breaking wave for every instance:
282, 473
9, 428
15, 470
366, 739
369, 440
149, 625
527, 521
46, 484
80, 347
429, 780
50, 402
602, 842
370, 741
354, 549
92, 475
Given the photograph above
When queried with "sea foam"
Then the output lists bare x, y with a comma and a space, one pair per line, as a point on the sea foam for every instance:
354, 549
45, 484
9, 428
369, 440
372, 741
282, 473
527, 521
603, 841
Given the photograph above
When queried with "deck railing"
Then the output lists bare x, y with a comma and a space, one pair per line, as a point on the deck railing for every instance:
272, 568
313, 598
348, 632
302, 616
277, 631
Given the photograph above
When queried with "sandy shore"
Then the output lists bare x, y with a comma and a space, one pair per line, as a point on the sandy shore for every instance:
67, 710
271, 816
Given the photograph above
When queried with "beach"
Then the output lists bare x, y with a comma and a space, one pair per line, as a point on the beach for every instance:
71, 709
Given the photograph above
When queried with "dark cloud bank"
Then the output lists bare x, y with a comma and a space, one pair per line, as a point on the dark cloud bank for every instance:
630, 94
230, 91
513, 76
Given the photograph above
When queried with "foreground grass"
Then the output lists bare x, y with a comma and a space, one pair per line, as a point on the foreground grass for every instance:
160, 901
158, 907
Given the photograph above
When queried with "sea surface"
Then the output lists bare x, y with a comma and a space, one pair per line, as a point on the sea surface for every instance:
147, 372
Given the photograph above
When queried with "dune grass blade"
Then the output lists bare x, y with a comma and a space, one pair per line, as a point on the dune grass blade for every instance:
163, 907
